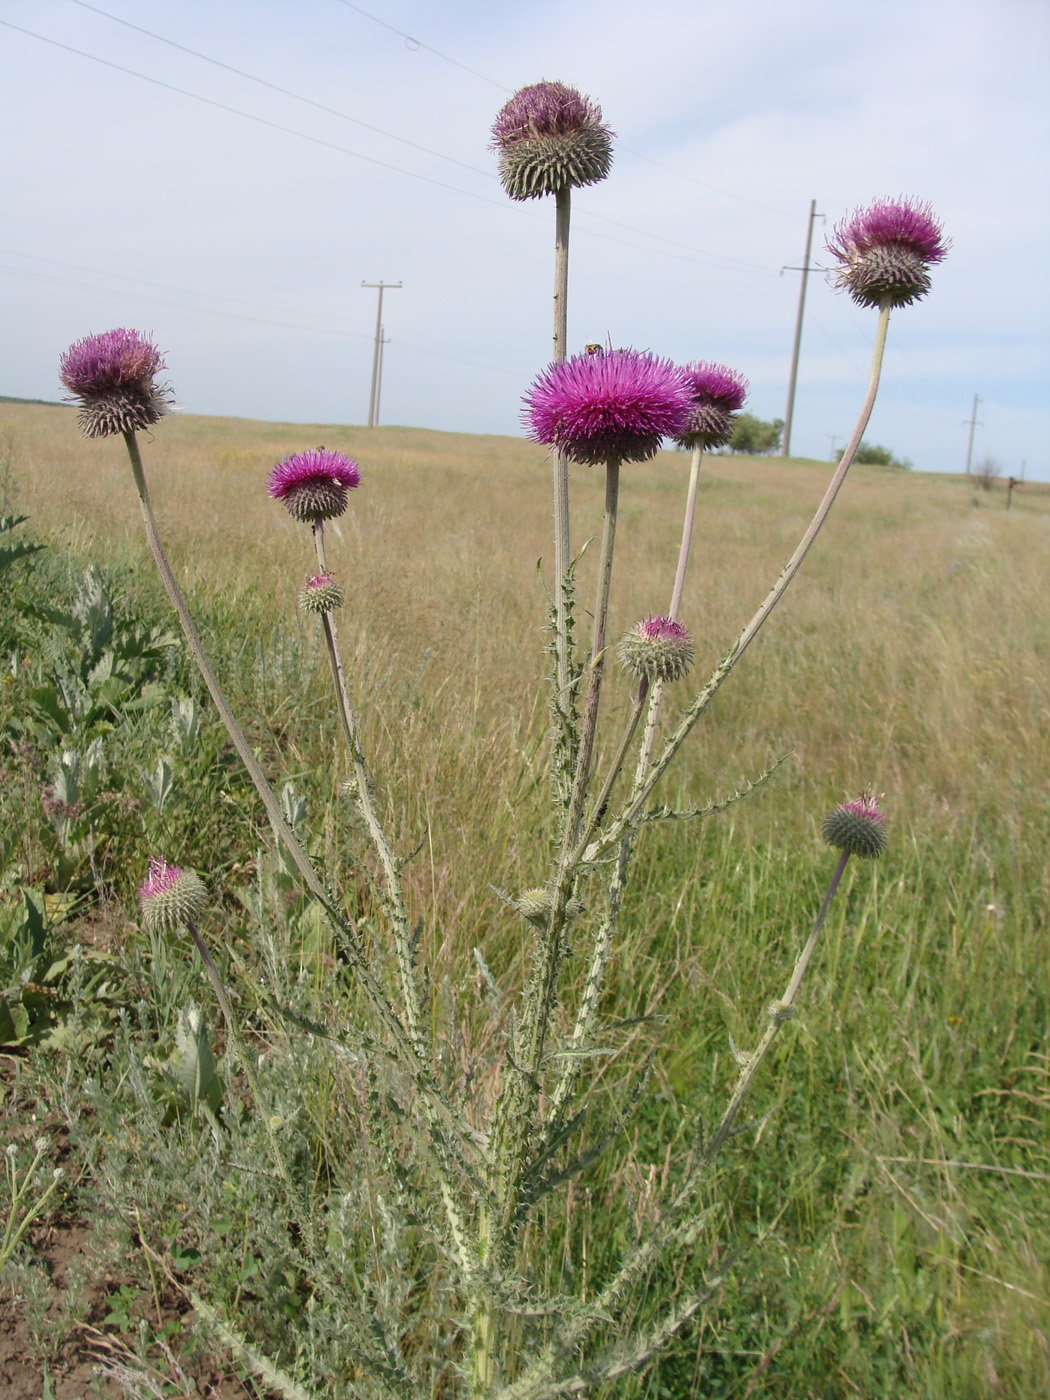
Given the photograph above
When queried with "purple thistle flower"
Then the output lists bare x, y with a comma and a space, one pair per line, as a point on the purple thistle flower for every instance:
112, 377
545, 109
550, 137
657, 647
718, 394
597, 408
321, 595
857, 827
169, 896
886, 251
314, 485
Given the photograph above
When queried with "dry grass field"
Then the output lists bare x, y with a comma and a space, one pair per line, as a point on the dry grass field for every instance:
897, 1203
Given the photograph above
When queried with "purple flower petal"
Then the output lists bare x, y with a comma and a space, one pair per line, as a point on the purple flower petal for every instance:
615, 405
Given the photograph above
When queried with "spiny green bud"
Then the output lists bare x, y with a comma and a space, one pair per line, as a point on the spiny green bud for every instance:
169, 897
550, 137
857, 827
657, 647
535, 905
321, 595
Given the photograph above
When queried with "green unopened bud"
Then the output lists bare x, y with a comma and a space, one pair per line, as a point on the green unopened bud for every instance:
857, 827
656, 647
536, 904
321, 595
169, 897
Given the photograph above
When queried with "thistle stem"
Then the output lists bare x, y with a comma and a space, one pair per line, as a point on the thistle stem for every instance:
751, 1062
391, 873
594, 684
384, 1011
560, 465
621, 753
687, 534
722, 670
295, 1203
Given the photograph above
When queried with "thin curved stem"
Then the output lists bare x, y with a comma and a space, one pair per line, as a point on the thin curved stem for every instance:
722, 670
560, 465
391, 872
687, 534
384, 1011
594, 683
778, 1015
295, 1202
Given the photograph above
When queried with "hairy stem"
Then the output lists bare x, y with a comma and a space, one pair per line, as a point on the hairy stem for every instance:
687, 534
778, 1015
560, 465
391, 873
718, 675
597, 667
295, 1202
403, 1047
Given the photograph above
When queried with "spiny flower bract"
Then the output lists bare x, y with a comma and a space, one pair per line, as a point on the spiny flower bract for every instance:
885, 251
111, 376
656, 647
314, 484
616, 405
169, 896
321, 595
718, 394
550, 137
857, 827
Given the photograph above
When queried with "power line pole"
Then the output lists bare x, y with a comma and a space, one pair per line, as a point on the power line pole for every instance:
384, 339
805, 269
373, 398
973, 424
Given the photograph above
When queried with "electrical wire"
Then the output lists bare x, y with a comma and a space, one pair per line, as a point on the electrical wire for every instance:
707, 259
163, 286
638, 155
418, 44
285, 92
427, 150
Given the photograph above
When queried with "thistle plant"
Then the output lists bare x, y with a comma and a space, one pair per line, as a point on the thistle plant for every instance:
489, 1150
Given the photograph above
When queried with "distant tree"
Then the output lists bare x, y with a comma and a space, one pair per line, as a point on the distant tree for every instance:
870, 454
987, 471
754, 436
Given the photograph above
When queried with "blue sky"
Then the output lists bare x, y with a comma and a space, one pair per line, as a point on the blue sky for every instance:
240, 237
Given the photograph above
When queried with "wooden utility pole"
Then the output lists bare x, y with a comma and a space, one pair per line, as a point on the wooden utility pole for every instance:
805, 270
383, 340
973, 424
377, 353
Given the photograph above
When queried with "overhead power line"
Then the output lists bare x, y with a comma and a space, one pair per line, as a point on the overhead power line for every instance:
414, 145
249, 116
285, 92
412, 42
703, 257
418, 43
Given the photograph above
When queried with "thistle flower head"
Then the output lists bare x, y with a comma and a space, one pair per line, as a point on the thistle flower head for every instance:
169, 896
656, 647
549, 138
885, 251
718, 394
857, 827
314, 484
321, 595
111, 376
616, 405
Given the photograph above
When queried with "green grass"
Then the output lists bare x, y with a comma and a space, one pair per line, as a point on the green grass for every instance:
889, 1218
